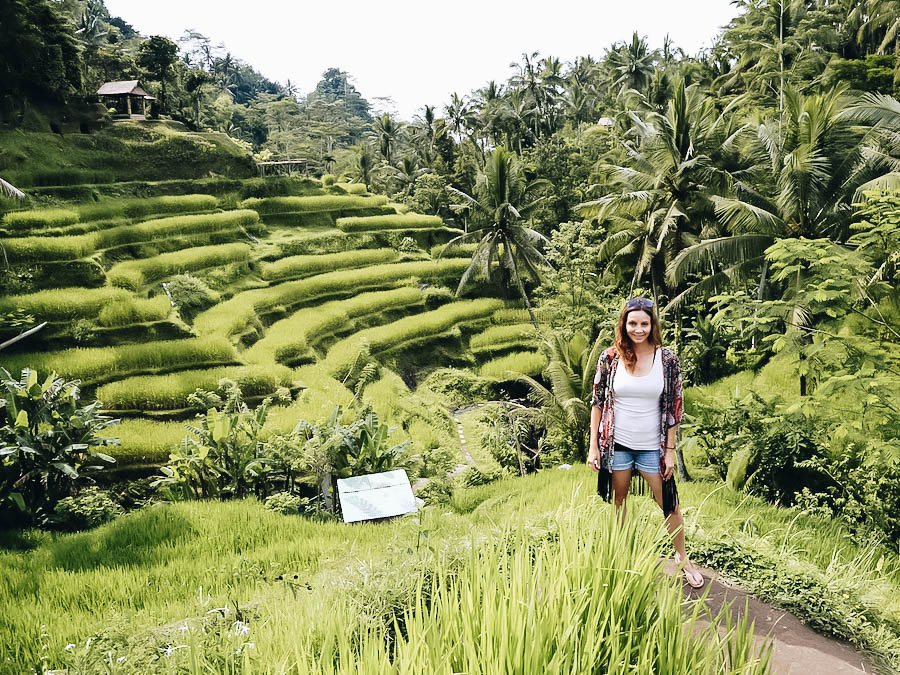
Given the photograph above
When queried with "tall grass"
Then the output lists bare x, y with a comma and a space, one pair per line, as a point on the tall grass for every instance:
510, 366
238, 313
43, 249
109, 306
407, 221
419, 327
143, 441
560, 588
95, 365
287, 340
352, 188
171, 391
276, 205
132, 274
307, 265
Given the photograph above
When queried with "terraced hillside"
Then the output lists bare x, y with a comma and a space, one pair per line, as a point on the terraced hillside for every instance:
285, 286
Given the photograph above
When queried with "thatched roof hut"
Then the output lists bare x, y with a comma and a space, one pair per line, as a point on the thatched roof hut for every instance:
126, 96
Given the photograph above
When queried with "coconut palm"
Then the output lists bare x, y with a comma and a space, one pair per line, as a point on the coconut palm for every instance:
387, 133
665, 198
633, 64
502, 203
570, 373
813, 165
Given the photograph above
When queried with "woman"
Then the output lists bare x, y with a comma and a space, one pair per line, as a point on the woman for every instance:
636, 408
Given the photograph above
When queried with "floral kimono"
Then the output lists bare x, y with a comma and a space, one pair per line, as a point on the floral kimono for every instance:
671, 407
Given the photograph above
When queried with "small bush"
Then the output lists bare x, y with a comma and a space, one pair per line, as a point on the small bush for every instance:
190, 295
459, 387
437, 491
473, 476
90, 508
353, 188
328, 180
408, 221
289, 505
307, 265
39, 219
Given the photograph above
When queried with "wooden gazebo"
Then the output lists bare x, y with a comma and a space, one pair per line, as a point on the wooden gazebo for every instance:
127, 97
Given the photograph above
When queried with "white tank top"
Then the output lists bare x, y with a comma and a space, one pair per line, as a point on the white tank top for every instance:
637, 401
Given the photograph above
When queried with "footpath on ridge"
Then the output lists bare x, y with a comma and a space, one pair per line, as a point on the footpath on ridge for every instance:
796, 648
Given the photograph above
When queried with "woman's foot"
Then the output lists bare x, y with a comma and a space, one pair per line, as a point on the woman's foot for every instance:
691, 573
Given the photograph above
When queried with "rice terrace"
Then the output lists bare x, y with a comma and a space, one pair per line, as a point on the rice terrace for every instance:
295, 378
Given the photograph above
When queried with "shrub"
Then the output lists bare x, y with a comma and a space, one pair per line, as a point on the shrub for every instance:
437, 491
512, 365
96, 365
307, 265
171, 391
88, 509
408, 221
190, 295
274, 205
473, 476
133, 274
328, 180
47, 439
289, 505
459, 387
34, 220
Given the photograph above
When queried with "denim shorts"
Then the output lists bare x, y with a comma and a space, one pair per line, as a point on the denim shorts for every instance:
626, 458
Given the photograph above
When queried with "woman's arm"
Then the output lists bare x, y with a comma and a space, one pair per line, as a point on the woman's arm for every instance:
668, 467
593, 457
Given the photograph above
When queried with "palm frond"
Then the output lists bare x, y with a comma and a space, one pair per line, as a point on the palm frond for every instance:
11, 191
741, 216
729, 250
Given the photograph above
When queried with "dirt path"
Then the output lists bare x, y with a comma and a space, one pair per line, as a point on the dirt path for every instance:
797, 648
459, 468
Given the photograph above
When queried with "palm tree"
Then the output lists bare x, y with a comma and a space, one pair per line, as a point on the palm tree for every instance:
365, 162
633, 63
666, 185
406, 173
812, 165
387, 133
570, 371
503, 201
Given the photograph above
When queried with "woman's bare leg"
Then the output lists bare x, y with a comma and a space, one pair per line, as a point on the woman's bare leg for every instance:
674, 522
621, 481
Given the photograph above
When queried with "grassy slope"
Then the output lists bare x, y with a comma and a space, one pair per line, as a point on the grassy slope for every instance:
122, 151
131, 584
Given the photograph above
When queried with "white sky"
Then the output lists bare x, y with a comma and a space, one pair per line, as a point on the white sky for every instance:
420, 52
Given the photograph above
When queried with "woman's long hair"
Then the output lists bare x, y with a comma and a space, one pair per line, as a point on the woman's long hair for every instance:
624, 345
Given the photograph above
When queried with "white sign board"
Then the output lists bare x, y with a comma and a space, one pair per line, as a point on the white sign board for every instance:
377, 495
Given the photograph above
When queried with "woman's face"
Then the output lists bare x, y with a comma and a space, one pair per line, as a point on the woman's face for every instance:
637, 325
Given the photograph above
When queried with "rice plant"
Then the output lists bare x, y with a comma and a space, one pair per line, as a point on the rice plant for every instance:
307, 265
171, 391
352, 188
134, 310
38, 219
408, 221
44, 249
133, 274
238, 313
137, 208
419, 327
287, 340
95, 365
275, 205
497, 338
64, 304
509, 367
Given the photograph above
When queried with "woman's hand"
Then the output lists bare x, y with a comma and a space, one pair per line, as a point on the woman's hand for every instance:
668, 465
593, 458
